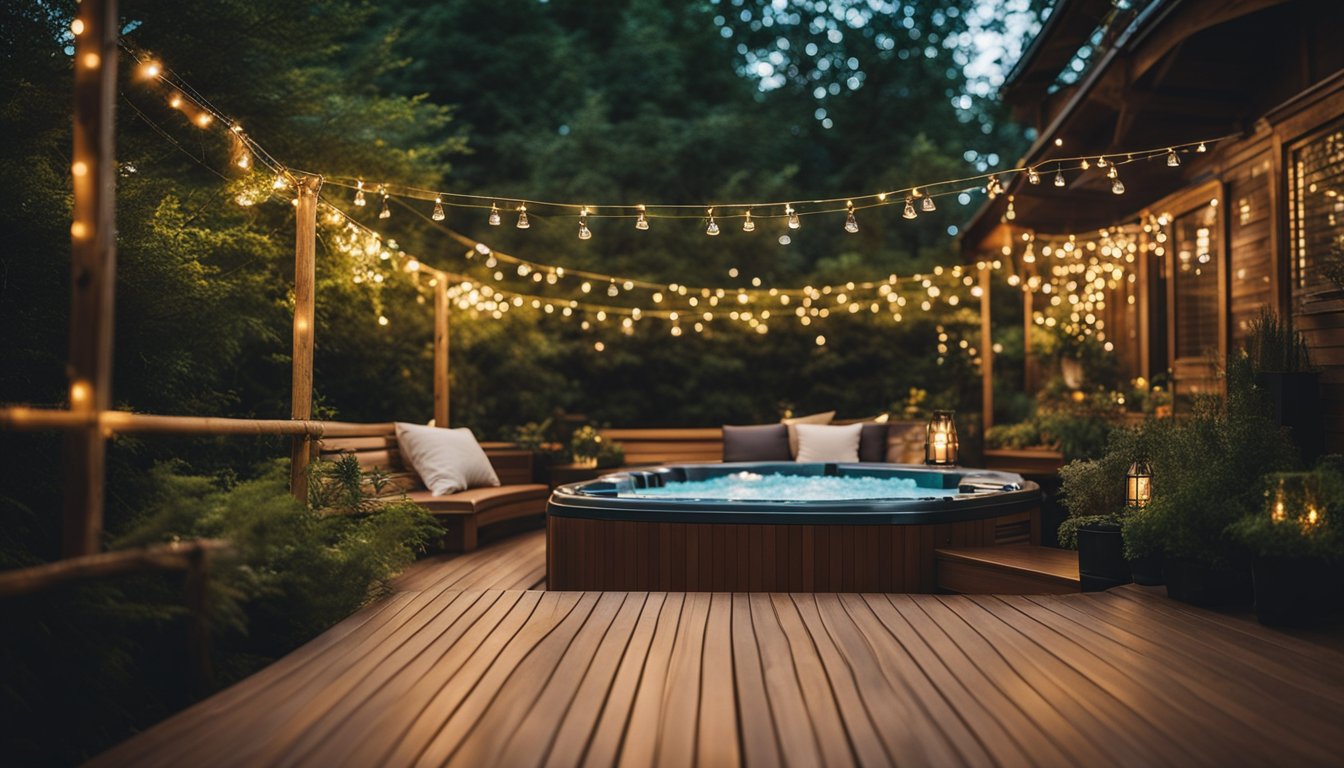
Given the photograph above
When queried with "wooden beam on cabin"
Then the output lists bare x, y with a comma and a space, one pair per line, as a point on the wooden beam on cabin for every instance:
93, 267
305, 295
442, 312
1028, 359
986, 352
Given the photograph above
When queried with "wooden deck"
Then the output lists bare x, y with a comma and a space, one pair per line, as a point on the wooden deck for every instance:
464, 665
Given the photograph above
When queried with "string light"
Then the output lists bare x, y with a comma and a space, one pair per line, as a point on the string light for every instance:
642, 223
384, 212
927, 205
748, 225
1172, 160
713, 228
584, 232
437, 215
851, 223
909, 212
1101, 161
794, 222
1117, 186
1010, 214
359, 195
1033, 177
522, 217
1201, 147
1059, 178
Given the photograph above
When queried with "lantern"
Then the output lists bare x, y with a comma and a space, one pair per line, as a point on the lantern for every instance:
1296, 496
1138, 484
940, 440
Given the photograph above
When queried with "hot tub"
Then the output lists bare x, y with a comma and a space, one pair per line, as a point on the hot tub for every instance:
779, 527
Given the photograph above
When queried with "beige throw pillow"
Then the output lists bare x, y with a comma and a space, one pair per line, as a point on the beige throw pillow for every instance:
447, 460
815, 418
829, 444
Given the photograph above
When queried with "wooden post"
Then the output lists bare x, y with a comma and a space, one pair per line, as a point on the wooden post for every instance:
1028, 361
986, 351
93, 270
305, 290
441, 319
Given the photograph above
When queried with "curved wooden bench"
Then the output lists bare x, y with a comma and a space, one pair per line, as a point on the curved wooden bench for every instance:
462, 513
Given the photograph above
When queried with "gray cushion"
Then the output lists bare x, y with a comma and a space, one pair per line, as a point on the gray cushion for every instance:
873, 442
766, 442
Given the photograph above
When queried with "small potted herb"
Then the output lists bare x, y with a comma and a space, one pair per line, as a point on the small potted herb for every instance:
1294, 538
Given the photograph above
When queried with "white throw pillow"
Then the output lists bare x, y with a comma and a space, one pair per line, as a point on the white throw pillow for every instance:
794, 421
827, 443
447, 460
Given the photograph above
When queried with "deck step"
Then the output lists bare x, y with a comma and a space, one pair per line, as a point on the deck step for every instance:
1017, 569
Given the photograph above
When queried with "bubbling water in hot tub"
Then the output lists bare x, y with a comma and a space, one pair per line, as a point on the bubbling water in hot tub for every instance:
751, 486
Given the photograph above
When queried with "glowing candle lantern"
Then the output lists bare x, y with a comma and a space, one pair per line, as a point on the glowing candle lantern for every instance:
940, 440
1139, 484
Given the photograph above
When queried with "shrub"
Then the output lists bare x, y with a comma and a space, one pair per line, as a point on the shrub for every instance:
1294, 535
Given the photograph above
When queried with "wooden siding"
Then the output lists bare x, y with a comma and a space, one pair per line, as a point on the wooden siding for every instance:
446, 671
1248, 211
624, 555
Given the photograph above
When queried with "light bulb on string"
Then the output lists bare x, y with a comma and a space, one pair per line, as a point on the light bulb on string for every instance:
794, 222
1117, 186
713, 228
437, 215
522, 217
909, 212
992, 187
642, 223
1201, 147
1011, 213
1172, 159
1084, 164
384, 212
359, 194
494, 219
748, 225
1059, 178
279, 182
1101, 161
927, 204
1033, 177
584, 232
851, 223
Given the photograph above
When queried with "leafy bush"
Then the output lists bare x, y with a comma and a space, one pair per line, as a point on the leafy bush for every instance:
1294, 535
1094, 489
1275, 347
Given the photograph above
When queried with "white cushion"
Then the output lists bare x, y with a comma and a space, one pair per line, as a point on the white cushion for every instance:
826, 443
793, 421
447, 460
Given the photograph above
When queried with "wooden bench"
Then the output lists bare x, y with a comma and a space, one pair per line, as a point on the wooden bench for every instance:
1015, 569
462, 513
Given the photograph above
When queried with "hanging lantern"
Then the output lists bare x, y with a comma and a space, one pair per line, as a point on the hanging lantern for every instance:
940, 440
1139, 484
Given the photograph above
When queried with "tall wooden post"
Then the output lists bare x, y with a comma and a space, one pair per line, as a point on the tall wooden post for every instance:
441, 319
1028, 360
986, 351
93, 271
305, 290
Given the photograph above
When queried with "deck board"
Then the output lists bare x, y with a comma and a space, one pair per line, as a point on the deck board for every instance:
465, 663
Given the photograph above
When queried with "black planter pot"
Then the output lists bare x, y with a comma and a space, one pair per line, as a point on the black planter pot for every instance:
1295, 402
1199, 584
1147, 570
1101, 558
1293, 592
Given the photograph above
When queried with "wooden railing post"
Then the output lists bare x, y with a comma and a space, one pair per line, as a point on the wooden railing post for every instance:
441, 319
305, 290
93, 271
986, 350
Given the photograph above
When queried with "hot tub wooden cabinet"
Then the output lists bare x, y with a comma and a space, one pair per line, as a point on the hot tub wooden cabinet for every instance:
600, 537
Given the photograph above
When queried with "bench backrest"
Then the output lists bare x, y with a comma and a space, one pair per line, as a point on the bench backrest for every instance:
512, 464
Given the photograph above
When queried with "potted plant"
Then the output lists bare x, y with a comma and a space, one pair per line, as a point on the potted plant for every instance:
1294, 538
1287, 381
585, 445
1096, 492
1207, 468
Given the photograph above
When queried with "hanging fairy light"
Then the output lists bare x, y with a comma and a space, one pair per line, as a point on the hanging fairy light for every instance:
384, 212
1101, 161
1172, 159
522, 217
494, 219
1059, 178
713, 228
642, 223
1033, 177
927, 205
1117, 186
359, 194
748, 225
1011, 213
1201, 147
851, 223
794, 223
437, 215
584, 232
909, 212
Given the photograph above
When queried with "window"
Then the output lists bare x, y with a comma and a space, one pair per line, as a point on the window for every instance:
1316, 215
1195, 262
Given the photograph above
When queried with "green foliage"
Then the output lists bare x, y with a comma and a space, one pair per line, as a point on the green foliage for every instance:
1274, 347
534, 435
1296, 535
1093, 490
1077, 423
610, 454
1207, 470
585, 443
